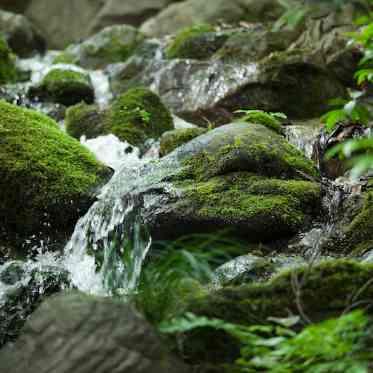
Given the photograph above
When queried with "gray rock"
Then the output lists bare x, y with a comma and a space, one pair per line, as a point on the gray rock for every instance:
75, 332
190, 12
22, 36
23, 286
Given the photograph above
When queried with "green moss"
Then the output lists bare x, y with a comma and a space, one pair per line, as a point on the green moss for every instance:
45, 175
173, 139
197, 42
327, 290
83, 119
138, 115
262, 204
260, 151
65, 58
8, 71
359, 234
67, 87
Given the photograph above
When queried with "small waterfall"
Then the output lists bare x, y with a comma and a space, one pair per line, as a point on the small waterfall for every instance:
109, 244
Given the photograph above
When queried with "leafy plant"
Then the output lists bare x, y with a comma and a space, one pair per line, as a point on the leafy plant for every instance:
335, 345
358, 151
270, 120
180, 269
349, 111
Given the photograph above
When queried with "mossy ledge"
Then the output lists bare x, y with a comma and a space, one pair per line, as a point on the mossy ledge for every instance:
47, 178
327, 291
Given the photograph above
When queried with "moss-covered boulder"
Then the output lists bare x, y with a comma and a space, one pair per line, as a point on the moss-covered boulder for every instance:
84, 120
8, 71
197, 42
242, 177
138, 115
171, 140
64, 86
48, 180
112, 44
325, 290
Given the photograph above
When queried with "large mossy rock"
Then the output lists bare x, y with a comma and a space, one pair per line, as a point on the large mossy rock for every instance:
64, 86
191, 12
326, 290
8, 71
27, 285
47, 179
22, 36
105, 336
243, 177
112, 44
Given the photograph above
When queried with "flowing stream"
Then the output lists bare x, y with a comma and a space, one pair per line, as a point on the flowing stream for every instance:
114, 229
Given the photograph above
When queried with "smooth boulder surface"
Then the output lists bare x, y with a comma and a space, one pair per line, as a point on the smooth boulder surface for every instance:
190, 12
48, 180
75, 332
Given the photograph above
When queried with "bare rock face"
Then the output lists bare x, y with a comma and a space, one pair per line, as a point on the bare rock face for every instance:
75, 332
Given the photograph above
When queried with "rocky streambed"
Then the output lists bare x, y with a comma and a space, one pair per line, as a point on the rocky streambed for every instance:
131, 138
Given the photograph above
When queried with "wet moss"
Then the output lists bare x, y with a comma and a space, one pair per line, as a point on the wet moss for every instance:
173, 139
263, 152
47, 178
260, 204
327, 290
84, 120
138, 115
67, 87
8, 71
358, 235
196, 42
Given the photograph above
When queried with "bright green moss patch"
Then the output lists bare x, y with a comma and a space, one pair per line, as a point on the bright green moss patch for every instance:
45, 175
257, 150
63, 86
83, 119
196, 42
173, 139
258, 203
138, 115
8, 71
65, 58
